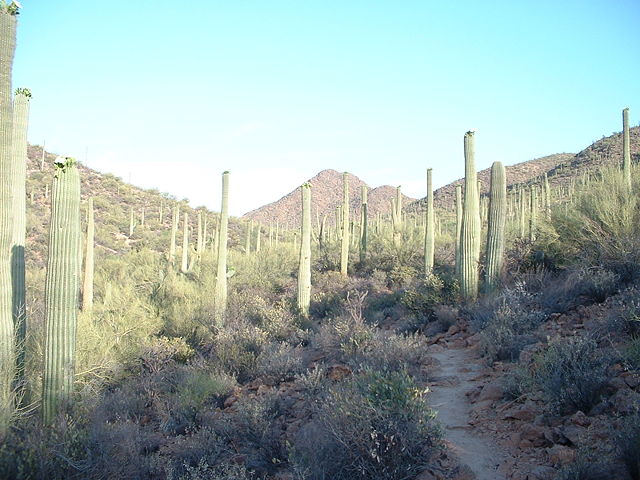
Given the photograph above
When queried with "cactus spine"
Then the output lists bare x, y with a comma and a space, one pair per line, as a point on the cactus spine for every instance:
470, 231
221, 274
429, 237
87, 284
7, 334
344, 257
364, 223
458, 227
184, 266
304, 269
626, 153
61, 289
18, 177
497, 220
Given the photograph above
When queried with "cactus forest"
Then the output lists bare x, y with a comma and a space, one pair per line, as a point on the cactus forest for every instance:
489, 329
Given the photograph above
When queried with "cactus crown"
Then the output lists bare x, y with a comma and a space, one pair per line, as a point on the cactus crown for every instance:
23, 91
62, 163
307, 184
13, 8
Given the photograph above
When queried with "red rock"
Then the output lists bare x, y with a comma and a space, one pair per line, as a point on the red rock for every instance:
624, 402
453, 329
560, 455
338, 372
579, 418
526, 412
533, 434
491, 391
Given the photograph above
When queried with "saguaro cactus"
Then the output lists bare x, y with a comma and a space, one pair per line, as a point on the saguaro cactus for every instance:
533, 204
61, 289
497, 220
458, 227
18, 176
184, 265
470, 231
364, 223
87, 284
131, 221
7, 337
221, 274
304, 268
429, 237
626, 153
174, 232
344, 257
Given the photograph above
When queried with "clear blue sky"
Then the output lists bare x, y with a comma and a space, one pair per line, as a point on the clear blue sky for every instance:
170, 94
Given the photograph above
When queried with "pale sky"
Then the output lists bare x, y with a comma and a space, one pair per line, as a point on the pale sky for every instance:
171, 94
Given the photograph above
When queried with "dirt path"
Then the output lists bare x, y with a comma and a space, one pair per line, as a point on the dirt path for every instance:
453, 378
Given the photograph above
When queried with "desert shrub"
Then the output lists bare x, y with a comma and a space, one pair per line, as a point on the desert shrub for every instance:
162, 351
373, 425
631, 353
583, 286
221, 471
31, 451
571, 374
254, 430
446, 315
199, 455
236, 347
625, 316
601, 226
628, 444
505, 323
327, 295
280, 362
585, 468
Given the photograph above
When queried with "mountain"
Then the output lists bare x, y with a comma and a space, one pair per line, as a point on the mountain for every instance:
326, 195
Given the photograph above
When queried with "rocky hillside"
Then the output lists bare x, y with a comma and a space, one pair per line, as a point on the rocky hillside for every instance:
113, 200
326, 195
560, 167
606, 151
444, 197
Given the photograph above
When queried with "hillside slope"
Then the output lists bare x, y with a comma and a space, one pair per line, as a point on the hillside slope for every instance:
113, 200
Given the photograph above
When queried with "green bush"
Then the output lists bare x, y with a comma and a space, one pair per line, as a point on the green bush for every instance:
571, 374
373, 425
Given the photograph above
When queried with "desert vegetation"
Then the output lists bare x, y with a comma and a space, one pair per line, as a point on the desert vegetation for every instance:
205, 346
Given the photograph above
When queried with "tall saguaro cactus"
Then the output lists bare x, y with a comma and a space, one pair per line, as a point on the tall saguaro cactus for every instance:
429, 237
221, 274
174, 232
344, 256
61, 289
533, 204
7, 335
18, 178
184, 265
495, 230
626, 153
458, 227
87, 284
364, 223
304, 268
470, 231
